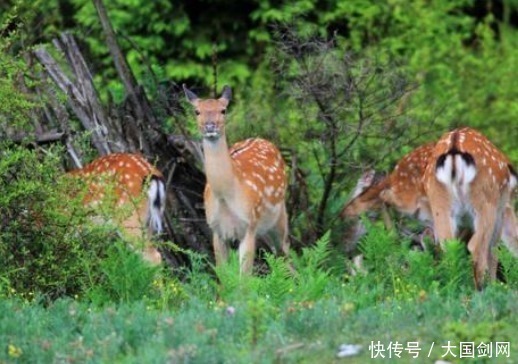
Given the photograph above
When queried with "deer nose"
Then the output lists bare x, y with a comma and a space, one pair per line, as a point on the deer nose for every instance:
210, 127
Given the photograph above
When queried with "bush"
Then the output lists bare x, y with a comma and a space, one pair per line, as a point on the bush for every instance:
48, 245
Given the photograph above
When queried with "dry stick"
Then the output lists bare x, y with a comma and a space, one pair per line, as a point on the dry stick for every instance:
136, 96
43, 138
84, 82
75, 99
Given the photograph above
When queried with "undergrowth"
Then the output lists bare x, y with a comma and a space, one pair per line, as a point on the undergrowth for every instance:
301, 311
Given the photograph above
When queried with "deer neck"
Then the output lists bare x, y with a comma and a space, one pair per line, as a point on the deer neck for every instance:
219, 167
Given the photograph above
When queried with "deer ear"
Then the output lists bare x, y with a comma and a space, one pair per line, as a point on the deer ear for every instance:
191, 96
227, 93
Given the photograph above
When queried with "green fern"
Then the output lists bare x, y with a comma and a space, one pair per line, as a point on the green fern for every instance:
126, 277
455, 267
312, 270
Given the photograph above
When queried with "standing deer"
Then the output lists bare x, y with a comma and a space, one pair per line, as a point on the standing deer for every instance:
135, 191
418, 186
246, 184
469, 176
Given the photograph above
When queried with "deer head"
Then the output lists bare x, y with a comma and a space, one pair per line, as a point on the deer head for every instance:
210, 113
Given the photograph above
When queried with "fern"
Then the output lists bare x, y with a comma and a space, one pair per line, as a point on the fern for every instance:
509, 267
312, 272
126, 277
455, 267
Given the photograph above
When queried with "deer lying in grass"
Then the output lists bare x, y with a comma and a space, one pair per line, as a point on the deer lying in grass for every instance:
246, 184
135, 192
462, 174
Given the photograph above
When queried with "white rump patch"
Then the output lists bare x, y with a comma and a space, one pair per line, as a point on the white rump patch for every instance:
443, 173
156, 191
465, 172
513, 182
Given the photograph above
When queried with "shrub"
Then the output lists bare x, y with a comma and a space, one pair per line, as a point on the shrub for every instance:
48, 244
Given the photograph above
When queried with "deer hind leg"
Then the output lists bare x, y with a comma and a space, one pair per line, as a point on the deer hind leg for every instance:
220, 249
487, 230
444, 224
138, 234
510, 230
282, 231
247, 251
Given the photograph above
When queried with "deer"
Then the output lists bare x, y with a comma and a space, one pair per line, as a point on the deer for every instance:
414, 188
403, 188
244, 195
468, 176
134, 191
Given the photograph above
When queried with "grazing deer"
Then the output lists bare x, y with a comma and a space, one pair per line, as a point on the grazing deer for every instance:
134, 189
403, 188
420, 186
246, 184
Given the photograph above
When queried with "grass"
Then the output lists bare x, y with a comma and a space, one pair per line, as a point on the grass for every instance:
277, 318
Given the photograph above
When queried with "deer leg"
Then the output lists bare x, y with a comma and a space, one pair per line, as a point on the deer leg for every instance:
151, 254
488, 229
220, 249
510, 230
282, 231
247, 251
444, 224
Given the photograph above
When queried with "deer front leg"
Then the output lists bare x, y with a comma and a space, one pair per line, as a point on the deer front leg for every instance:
220, 249
247, 251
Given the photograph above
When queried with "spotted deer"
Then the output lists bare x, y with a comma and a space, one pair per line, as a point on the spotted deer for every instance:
468, 176
419, 186
403, 188
134, 191
246, 185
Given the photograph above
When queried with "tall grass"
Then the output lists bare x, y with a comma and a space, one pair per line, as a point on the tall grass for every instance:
300, 312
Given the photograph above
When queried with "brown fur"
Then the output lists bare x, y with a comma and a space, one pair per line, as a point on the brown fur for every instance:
246, 185
124, 176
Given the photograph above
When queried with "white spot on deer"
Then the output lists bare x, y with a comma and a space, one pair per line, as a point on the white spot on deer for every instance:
259, 177
269, 190
251, 184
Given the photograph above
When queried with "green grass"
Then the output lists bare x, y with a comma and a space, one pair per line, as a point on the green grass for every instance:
141, 315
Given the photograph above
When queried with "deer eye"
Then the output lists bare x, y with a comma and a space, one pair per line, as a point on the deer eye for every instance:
197, 112
224, 111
